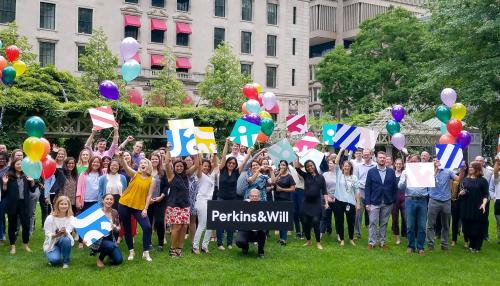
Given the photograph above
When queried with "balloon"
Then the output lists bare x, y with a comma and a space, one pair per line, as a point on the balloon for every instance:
3, 63
253, 106
35, 127
267, 126
128, 48
443, 113
458, 111
250, 91
8, 75
448, 96
19, 67
46, 150
454, 127
187, 100
398, 112
392, 127
12, 53
398, 140
48, 167
130, 70
34, 148
259, 99
252, 118
1, 44
262, 138
244, 108
257, 86
31, 168
109, 90
463, 139
135, 97
264, 114
269, 100
447, 139
444, 130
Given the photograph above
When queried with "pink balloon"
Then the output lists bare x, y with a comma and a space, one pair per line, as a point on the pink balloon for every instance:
398, 140
268, 100
135, 97
128, 48
448, 96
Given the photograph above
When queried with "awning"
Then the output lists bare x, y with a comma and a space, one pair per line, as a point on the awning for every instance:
274, 110
158, 24
134, 21
157, 60
183, 63
137, 57
183, 28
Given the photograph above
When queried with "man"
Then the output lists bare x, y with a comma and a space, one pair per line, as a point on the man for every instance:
439, 206
243, 150
425, 157
3, 148
100, 150
136, 150
358, 157
388, 162
235, 152
380, 192
246, 236
361, 171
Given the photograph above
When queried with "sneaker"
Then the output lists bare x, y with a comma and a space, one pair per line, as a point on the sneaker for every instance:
204, 250
282, 242
352, 242
100, 263
384, 247
230, 247
341, 243
261, 255
421, 253
308, 243
318, 246
370, 246
195, 251
221, 247
159, 248
65, 266
453, 243
410, 250
27, 248
145, 256
131, 255
431, 248
12, 250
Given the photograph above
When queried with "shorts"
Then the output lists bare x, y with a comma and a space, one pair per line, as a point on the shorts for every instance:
176, 215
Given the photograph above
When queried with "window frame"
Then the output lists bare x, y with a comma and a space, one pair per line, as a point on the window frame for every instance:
47, 17
276, 16
250, 65
181, 10
241, 42
275, 80
275, 51
294, 44
131, 1
294, 15
223, 38
79, 21
78, 55
131, 27
177, 40
155, 6
52, 44
293, 77
251, 11
224, 9
9, 13
157, 33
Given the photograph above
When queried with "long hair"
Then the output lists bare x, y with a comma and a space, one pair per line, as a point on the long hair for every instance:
314, 165
73, 173
351, 169
159, 169
227, 161
12, 169
80, 162
149, 168
14, 153
183, 174
89, 169
59, 200
478, 169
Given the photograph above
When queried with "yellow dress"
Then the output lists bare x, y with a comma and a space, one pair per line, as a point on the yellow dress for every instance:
136, 193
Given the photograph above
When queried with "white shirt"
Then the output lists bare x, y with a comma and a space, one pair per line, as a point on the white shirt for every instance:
52, 224
206, 186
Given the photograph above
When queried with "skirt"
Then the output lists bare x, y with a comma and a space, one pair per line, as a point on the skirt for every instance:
176, 215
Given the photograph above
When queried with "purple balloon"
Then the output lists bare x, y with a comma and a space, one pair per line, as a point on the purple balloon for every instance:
109, 90
252, 118
398, 112
398, 140
463, 139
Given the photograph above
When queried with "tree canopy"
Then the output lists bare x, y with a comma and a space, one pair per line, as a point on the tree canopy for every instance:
166, 89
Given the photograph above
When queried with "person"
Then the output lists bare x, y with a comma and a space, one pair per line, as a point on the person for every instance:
487, 174
314, 188
258, 179
389, 162
360, 171
267, 170
399, 205
193, 192
206, 177
358, 157
16, 154
4, 168
473, 213
495, 190
135, 202
285, 185
112, 183
425, 157
68, 189
3, 148
136, 149
157, 207
297, 198
83, 161
380, 191
331, 181
87, 190
59, 154
455, 207
106, 246
58, 227
100, 150
105, 163
16, 189
128, 159
235, 153
439, 206
244, 237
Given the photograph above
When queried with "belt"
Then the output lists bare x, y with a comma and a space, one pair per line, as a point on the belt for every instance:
419, 198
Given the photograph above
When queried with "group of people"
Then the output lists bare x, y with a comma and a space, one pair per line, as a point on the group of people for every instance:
161, 192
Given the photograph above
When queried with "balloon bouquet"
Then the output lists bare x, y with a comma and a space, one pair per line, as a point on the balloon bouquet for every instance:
451, 114
18, 67
393, 127
37, 162
252, 109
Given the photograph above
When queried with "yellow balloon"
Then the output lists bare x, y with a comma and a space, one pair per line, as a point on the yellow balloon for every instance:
20, 67
257, 86
264, 114
34, 148
458, 111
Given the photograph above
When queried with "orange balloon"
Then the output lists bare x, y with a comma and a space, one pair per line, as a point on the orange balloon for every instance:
262, 138
447, 139
3, 63
244, 108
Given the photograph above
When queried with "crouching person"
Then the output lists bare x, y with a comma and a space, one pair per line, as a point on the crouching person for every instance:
58, 228
245, 237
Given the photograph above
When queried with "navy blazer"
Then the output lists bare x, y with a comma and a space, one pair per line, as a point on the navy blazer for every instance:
375, 188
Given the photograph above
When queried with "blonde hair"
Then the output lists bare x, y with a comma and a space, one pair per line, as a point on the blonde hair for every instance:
149, 168
59, 200
80, 162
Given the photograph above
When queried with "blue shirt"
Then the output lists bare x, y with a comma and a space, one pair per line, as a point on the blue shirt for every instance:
442, 190
382, 173
346, 187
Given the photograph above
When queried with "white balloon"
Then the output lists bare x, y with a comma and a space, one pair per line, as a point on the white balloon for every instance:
268, 100
128, 48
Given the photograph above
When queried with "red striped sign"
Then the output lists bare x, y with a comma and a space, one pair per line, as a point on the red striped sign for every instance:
102, 117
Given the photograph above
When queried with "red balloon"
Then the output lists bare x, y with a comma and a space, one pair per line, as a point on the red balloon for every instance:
187, 100
454, 127
259, 99
262, 138
48, 167
135, 97
244, 108
447, 139
3, 63
250, 91
46, 148
12, 53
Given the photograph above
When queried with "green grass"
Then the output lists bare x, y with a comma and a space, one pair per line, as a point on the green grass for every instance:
290, 265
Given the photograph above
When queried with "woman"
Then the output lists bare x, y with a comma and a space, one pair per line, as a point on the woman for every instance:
128, 159
285, 185
70, 181
399, 205
106, 246
206, 179
58, 227
156, 211
330, 180
112, 183
83, 161
495, 186
87, 189
474, 196
135, 202
16, 189
259, 178
105, 163
16, 154
228, 178
59, 154
314, 188
193, 192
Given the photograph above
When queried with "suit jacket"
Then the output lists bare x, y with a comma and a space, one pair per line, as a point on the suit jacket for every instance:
375, 189
11, 195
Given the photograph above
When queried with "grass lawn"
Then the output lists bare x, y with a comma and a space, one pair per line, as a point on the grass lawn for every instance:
289, 265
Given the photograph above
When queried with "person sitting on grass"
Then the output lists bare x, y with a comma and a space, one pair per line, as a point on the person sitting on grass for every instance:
246, 236
58, 228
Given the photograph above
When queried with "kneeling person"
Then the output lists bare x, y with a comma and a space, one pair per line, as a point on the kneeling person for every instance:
246, 236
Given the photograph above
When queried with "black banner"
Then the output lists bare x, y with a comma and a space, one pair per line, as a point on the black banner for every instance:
242, 215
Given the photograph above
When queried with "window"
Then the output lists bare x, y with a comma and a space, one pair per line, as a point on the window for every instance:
271, 76
246, 42
81, 51
158, 3
7, 11
182, 70
246, 69
47, 16
272, 14
183, 5
219, 36
294, 41
182, 40
47, 53
85, 21
311, 71
271, 45
157, 36
220, 8
246, 10
293, 77
294, 15
132, 1
131, 31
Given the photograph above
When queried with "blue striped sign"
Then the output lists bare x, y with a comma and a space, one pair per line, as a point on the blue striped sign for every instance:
346, 137
450, 156
92, 224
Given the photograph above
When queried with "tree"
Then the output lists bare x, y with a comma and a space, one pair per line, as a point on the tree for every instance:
167, 90
9, 36
223, 80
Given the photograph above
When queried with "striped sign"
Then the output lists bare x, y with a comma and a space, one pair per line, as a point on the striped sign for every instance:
308, 142
450, 156
102, 117
296, 124
92, 224
347, 137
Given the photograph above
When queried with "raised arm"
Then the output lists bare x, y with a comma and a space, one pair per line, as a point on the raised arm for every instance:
339, 155
116, 136
298, 167
168, 167
130, 172
247, 156
224, 152
198, 162
90, 140
215, 162
129, 139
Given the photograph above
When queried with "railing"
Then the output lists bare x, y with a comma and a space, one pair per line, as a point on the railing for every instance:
183, 76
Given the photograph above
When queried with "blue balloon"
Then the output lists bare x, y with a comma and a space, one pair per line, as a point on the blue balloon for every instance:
1, 44
444, 129
253, 106
31, 169
130, 70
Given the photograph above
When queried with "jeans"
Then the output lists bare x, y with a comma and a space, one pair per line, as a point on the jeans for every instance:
339, 209
220, 234
109, 248
359, 217
61, 248
2, 219
244, 237
201, 209
397, 208
416, 215
379, 217
297, 198
156, 215
441, 211
125, 214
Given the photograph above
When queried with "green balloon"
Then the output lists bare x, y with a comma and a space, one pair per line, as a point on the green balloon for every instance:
8, 75
393, 127
443, 113
35, 127
267, 126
